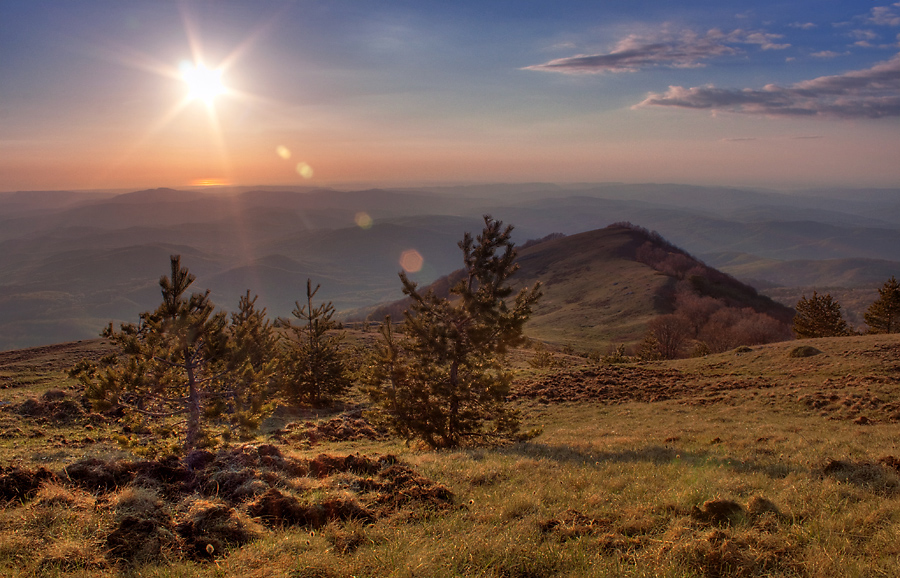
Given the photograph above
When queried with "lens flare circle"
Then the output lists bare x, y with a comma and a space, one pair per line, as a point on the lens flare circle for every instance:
363, 220
411, 261
304, 170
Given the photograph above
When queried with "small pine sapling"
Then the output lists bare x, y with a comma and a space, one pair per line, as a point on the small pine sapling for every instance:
315, 370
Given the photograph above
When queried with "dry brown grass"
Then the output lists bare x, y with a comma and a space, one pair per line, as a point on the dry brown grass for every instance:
749, 463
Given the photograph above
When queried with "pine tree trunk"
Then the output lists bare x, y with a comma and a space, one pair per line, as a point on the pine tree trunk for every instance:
450, 438
193, 419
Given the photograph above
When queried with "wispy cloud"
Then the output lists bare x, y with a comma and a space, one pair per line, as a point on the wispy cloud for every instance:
804, 25
864, 38
869, 93
765, 40
825, 54
864, 35
686, 49
885, 15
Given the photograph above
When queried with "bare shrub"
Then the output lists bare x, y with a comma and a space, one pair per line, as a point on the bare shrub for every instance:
672, 333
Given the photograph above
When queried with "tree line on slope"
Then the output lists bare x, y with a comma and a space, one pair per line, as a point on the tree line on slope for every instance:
711, 327
821, 316
708, 317
442, 380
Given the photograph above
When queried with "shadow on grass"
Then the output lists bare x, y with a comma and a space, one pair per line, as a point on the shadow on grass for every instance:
653, 454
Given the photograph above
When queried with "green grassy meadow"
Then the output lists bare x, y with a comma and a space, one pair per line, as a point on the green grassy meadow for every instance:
756, 463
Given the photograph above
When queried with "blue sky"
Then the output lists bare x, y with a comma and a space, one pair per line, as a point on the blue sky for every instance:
770, 94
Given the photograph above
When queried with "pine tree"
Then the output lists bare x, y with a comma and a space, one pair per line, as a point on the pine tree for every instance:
819, 316
185, 359
315, 370
444, 381
253, 361
883, 315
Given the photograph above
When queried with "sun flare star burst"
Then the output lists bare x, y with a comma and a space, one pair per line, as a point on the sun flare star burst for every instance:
203, 84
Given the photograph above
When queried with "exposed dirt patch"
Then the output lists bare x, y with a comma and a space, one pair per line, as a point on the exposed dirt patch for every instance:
349, 427
722, 553
58, 357
718, 512
398, 485
55, 406
880, 477
208, 503
624, 383
573, 524
22, 483
136, 539
277, 509
210, 528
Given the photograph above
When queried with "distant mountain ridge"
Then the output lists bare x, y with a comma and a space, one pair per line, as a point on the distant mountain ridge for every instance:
74, 260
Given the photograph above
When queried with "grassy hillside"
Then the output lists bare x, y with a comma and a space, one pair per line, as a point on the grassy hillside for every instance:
597, 293
756, 462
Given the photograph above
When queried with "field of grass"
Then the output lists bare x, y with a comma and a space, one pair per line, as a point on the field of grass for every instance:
755, 462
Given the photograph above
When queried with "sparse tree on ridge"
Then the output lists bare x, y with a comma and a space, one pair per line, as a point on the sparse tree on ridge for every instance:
444, 381
185, 359
314, 369
883, 315
819, 316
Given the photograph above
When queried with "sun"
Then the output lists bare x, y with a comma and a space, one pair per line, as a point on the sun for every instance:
203, 84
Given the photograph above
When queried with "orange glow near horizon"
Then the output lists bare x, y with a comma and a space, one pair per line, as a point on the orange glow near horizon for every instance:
210, 182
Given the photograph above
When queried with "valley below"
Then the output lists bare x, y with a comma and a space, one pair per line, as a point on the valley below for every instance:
71, 262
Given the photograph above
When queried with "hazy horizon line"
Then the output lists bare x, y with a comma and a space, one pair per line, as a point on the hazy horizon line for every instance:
347, 186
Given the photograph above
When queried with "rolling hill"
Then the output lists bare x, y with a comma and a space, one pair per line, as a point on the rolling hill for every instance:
601, 290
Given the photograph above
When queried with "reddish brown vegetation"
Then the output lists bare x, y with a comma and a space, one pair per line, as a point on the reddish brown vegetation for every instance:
712, 325
708, 308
